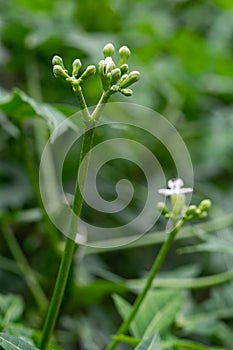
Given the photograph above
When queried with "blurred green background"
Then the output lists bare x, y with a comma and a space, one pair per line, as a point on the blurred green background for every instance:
184, 52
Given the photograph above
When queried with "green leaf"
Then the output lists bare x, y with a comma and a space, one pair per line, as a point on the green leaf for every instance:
150, 343
96, 291
11, 308
156, 313
19, 107
8, 342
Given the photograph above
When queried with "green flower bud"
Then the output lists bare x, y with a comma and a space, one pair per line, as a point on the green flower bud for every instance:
203, 215
132, 78
58, 71
162, 208
126, 92
76, 67
109, 64
108, 50
101, 67
115, 75
191, 212
104, 79
205, 205
114, 88
124, 68
57, 61
124, 54
124, 76
88, 72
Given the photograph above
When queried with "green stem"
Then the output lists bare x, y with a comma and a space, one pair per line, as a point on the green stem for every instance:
70, 245
24, 267
154, 270
82, 103
127, 339
100, 106
68, 253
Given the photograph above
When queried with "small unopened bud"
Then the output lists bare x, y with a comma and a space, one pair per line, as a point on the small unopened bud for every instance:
124, 76
88, 72
114, 88
104, 79
101, 66
58, 71
203, 215
132, 78
76, 67
57, 61
108, 50
191, 212
109, 64
115, 75
205, 205
162, 208
126, 92
124, 68
124, 54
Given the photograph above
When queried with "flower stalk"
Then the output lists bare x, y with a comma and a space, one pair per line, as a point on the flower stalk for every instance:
179, 217
153, 272
110, 84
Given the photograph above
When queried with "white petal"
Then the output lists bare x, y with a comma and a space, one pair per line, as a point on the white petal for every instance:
178, 183
171, 183
165, 191
186, 190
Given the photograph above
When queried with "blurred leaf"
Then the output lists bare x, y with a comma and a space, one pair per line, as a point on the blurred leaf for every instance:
156, 313
15, 190
11, 308
150, 343
20, 107
96, 291
8, 342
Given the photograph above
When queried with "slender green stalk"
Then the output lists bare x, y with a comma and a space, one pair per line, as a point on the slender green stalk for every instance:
24, 268
127, 339
82, 103
70, 245
154, 270
100, 106
68, 254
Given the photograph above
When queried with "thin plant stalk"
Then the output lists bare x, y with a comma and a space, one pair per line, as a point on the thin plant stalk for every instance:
153, 272
71, 245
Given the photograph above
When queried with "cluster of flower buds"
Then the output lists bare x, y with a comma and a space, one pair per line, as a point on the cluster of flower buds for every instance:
117, 78
198, 211
75, 79
178, 208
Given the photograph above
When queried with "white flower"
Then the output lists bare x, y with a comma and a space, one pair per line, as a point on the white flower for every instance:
175, 187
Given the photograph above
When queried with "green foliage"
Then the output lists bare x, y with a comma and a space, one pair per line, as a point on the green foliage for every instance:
156, 314
8, 342
183, 50
150, 343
